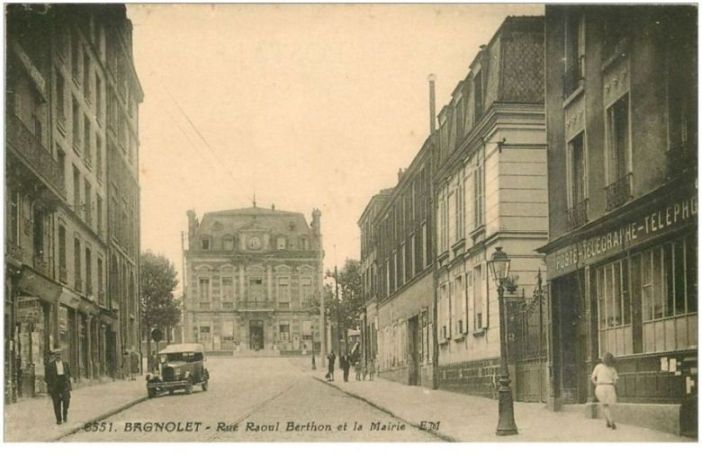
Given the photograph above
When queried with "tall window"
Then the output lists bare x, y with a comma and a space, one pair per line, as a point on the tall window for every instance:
306, 290
62, 252
618, 139
88, 272
87, 146
38, 231
228, 242
100, 283
284, 292
227, 289
578, 174
281, 243
203, 289
98, 157
479, 195
575, 52
98, 98
76, 190
480, 319
75, 109
60, 97
88, 203
75, 54
256, 291
86, 77
77, 265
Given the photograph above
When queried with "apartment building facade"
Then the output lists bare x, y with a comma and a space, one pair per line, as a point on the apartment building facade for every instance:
253, 281
490, 191
369, 274
57, 250
622, 257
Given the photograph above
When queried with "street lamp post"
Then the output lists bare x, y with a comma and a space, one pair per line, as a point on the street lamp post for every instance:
499, 265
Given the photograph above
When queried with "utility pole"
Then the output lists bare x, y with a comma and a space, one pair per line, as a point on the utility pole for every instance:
338, 312
183, 316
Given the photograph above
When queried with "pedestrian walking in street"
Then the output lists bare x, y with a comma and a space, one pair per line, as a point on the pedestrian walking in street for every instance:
331, 358
357, 369
605, 377
345, 364
371, 369
57, 376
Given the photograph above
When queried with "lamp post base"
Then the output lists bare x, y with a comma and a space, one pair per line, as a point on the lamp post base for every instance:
505, 424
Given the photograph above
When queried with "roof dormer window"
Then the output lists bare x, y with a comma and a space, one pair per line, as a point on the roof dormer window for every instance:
205, 243
281, 243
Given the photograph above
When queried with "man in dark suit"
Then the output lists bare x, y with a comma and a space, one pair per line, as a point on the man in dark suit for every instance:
58, 384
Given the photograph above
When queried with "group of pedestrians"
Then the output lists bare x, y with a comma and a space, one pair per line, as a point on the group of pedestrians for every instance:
362, 371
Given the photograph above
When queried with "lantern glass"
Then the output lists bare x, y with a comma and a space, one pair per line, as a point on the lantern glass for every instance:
499, 265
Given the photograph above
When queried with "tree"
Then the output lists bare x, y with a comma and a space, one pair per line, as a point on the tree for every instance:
159, 307
347, 309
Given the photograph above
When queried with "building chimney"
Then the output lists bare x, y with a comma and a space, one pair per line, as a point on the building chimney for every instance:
193, 224
400, 172
316, 223
432, 104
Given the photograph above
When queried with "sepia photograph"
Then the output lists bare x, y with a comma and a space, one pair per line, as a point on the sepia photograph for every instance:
305, 223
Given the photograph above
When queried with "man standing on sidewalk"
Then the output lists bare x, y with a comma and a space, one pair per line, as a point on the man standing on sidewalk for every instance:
58, 384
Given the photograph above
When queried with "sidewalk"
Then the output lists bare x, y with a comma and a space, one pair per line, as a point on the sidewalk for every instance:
33, 419
466, 418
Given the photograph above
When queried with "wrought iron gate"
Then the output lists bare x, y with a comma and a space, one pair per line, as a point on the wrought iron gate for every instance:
528, 320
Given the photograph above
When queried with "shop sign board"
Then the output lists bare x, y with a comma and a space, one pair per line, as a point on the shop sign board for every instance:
28, 310
651, 224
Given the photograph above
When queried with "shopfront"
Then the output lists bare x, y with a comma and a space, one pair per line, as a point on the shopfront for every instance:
628, 286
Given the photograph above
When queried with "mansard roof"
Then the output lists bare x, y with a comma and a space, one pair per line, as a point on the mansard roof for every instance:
254, 218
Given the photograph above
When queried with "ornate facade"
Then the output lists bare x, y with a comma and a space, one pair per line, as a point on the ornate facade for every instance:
253, 279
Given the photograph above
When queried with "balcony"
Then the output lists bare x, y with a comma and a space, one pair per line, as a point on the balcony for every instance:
256, 304
574, 76
618, 192
42, 265
680, 160
63, 274
577, 215
35, 156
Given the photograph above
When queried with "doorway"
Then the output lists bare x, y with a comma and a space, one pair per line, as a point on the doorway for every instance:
571, 346
414, 339
255, 335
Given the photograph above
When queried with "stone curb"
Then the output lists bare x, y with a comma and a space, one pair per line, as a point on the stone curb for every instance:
439, 435
78, 427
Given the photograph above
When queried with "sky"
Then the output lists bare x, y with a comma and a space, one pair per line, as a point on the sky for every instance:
303, 106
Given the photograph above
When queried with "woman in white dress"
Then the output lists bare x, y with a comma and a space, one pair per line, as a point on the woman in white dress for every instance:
605, 377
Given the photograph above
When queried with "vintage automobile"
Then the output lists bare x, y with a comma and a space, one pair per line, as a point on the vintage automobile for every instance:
180, 367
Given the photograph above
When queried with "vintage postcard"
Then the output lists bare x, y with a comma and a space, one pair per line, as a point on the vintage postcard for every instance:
350, 223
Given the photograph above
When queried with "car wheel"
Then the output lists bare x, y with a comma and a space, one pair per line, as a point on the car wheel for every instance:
170, 392
189, 388
151, 392
204, 386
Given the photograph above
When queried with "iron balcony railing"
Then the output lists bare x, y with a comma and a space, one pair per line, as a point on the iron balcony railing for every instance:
574, 76
577, 215
34, 154
618, 192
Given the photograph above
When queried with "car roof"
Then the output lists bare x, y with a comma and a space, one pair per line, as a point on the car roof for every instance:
183, 348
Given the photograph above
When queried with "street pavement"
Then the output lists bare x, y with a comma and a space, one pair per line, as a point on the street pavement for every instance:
466, 418
32, 419
254, 400
282, 399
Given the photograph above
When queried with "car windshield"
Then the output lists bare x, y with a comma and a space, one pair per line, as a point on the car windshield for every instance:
185, 356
